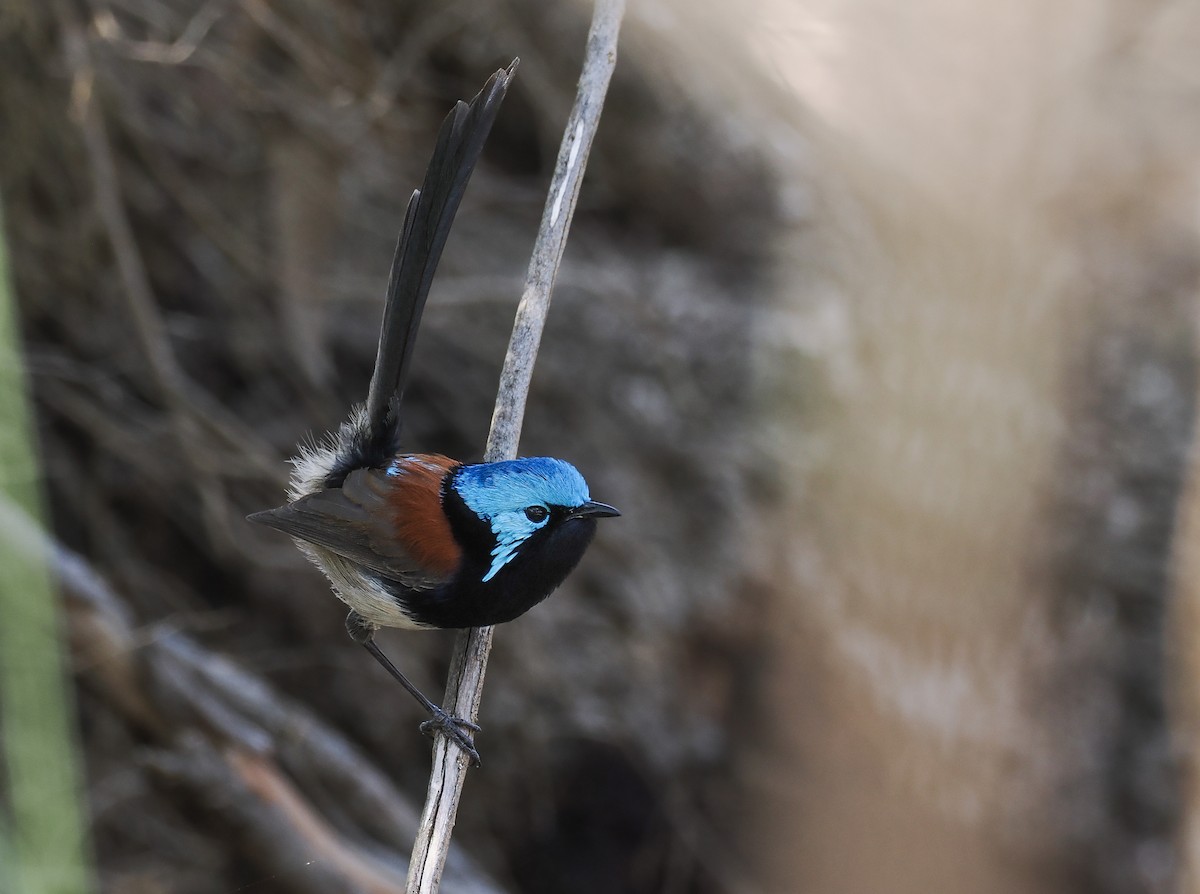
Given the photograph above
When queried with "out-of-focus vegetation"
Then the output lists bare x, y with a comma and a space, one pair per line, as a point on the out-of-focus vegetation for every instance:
877, 323
42, 839
204, 199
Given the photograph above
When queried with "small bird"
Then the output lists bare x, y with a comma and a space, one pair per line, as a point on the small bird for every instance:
415, 540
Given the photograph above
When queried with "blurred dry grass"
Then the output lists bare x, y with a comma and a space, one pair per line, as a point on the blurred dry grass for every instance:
877, 323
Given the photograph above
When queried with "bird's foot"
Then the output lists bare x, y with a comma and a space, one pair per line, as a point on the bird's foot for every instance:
458, 729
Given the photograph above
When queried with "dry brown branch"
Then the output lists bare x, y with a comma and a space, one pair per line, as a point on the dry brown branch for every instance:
139, 296
468, 667
175, 53
186, 406
240, 748
271, 819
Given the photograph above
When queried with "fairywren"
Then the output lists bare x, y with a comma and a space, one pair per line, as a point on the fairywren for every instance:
420, 540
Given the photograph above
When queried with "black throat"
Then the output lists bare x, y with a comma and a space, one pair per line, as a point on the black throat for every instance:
540, 564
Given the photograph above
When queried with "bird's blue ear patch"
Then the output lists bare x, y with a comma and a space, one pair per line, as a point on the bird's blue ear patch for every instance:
499, 493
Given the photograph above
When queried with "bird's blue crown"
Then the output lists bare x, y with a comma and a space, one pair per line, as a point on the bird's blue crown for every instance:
499, 493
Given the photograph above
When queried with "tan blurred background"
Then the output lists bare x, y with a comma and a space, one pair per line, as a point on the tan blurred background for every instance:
878, 323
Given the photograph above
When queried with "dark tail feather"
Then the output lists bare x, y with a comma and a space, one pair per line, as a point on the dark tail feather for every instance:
427, 223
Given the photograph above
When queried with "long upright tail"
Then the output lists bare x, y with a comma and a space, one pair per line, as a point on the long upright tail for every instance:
427, 223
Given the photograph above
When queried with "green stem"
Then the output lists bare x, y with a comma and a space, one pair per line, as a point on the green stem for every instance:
44, 848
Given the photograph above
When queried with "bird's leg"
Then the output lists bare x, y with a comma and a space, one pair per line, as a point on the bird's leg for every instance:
457, 728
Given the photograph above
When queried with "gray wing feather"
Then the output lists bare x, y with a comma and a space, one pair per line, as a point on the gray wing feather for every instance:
352, 521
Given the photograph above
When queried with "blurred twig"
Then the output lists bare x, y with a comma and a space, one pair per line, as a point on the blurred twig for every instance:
188, 408
465, 685
177, 52
234, 744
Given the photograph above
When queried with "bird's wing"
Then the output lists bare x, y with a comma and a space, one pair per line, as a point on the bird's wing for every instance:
427, 224
356, 522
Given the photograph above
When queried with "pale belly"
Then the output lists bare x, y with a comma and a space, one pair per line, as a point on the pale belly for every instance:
362, 593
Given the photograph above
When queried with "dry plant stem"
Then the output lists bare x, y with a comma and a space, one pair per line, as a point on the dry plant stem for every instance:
465, 685
262, 765
148, 325
187, 407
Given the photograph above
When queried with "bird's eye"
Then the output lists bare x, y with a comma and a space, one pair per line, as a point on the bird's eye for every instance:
537, 514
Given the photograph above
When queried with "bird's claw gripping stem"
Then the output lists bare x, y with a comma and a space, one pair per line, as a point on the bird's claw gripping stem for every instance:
458, 729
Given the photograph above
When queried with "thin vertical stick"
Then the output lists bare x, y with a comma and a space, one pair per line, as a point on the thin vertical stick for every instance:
465, 685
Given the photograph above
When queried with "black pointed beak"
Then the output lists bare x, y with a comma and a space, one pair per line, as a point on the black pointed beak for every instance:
592, 509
